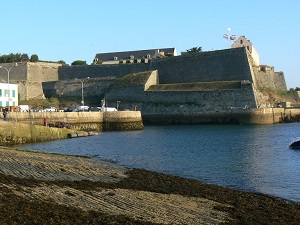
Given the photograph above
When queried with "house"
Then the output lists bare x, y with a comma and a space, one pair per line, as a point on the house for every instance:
8, 95
243, 42
133, 56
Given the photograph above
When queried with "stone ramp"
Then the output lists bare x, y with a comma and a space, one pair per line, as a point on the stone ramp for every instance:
50, 166
140, 205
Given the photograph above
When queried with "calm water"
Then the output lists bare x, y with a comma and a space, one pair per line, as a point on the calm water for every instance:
246, 157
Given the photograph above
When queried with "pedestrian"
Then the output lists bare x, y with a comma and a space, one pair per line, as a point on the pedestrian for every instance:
4, 114
45, 121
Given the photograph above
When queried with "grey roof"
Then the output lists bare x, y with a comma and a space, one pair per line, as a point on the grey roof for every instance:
137, 54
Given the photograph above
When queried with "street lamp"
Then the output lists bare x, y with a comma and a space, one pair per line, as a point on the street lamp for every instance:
8, 72
82, 98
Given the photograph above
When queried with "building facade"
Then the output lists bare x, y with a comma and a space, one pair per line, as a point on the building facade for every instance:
8, 95
133, 56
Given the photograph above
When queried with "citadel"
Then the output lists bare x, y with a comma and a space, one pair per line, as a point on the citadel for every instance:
214, 86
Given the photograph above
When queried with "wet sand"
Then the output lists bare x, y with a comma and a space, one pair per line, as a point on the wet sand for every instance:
45, 188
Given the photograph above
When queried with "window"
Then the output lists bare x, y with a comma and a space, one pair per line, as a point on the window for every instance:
7, 103
14, 103
0, 92
241, 42
13, 93
0, 103
115, 58
6, 93
148, 56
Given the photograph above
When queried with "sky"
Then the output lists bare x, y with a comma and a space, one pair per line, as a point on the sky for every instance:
72, 30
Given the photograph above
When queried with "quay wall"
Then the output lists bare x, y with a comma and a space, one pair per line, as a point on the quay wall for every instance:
27, 127
19, 133
99, 121
261, 116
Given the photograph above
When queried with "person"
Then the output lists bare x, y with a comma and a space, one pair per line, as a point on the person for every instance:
4, 114
45, 121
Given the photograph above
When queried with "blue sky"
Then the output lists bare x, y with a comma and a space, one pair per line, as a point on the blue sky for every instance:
72, 30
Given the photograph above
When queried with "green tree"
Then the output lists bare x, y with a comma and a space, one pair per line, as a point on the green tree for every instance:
24, 57
78, 63
34, 58
62, 62
193, 50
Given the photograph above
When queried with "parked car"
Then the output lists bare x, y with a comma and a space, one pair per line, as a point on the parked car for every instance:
70, 109
95, 109
82, 108
50, 109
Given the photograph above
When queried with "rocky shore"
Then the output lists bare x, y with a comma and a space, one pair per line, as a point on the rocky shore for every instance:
44, 188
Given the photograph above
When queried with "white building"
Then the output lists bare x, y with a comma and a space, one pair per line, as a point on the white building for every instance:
8, 95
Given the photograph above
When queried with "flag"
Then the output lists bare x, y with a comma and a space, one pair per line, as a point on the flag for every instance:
232, 37
225, 36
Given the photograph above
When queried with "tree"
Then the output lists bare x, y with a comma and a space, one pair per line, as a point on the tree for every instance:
34, 58
62, 62
78, 63
193, 50
24, 57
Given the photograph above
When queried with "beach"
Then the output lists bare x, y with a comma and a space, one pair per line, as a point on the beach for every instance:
48, 188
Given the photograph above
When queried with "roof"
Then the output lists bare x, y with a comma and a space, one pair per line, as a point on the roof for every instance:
137, 54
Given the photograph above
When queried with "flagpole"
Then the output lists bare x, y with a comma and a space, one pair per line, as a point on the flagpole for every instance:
229, 29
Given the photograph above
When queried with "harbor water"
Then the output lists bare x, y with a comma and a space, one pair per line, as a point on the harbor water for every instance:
254, 158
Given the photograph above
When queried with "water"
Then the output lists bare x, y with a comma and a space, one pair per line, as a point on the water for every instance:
246, 157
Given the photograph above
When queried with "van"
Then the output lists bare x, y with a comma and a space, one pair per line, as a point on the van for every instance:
23, 108
107, 109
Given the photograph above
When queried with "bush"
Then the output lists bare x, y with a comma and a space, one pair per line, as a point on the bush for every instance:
128, 61
78, 63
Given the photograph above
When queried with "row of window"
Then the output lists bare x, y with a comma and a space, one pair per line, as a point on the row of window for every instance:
132, 57
6, 93
6, 103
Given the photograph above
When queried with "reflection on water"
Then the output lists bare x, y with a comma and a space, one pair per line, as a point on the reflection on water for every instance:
246, 157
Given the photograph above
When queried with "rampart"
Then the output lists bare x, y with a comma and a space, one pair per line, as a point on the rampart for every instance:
221, 65
267, 79
96, 71
29, 76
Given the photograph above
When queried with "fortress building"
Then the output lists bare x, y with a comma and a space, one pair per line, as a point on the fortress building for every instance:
133, 56
193, 88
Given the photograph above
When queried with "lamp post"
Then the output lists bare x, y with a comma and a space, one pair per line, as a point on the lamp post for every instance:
8, 72
82, 98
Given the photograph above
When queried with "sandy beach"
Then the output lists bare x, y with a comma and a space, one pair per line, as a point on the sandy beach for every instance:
46, 188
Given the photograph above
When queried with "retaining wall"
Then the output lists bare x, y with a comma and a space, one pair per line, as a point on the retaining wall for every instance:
99, 121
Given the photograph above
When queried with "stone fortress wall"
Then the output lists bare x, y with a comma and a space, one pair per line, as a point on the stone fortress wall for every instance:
222, 65
29, 77
213, 81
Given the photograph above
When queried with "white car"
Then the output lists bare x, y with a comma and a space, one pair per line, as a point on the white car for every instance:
50, 109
